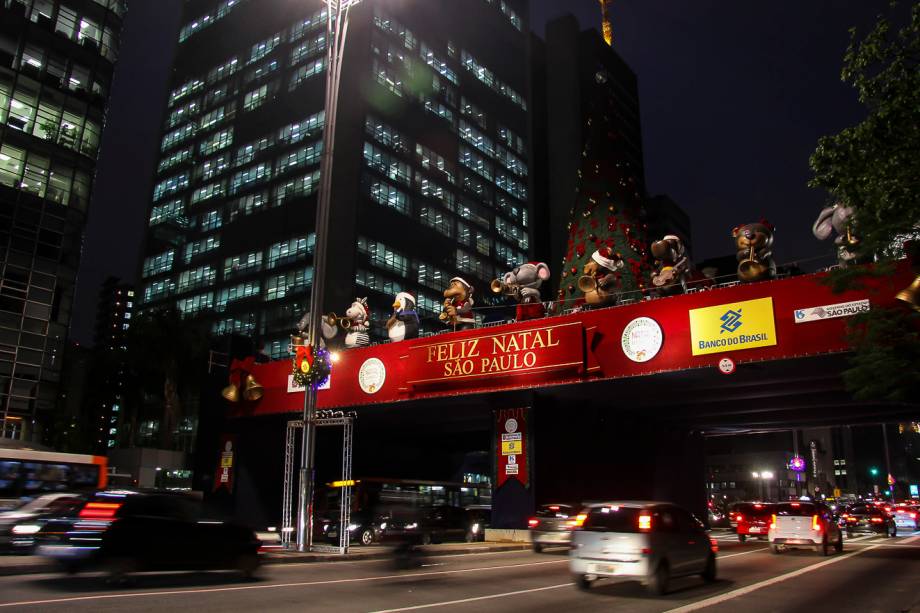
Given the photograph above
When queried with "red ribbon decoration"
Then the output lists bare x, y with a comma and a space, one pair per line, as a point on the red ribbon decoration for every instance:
239, 369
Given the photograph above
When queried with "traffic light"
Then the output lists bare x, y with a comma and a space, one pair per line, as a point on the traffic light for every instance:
873, 471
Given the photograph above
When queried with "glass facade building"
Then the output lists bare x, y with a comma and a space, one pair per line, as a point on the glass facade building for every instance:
432, 172
56, 63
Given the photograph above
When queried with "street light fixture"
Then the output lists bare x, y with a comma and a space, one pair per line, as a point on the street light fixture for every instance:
336, 28
761, 476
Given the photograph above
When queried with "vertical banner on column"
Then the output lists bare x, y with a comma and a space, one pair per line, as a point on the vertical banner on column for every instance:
223, 476
511, 446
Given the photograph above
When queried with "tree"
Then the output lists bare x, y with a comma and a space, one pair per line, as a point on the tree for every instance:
607, 209
874, 167
168, 356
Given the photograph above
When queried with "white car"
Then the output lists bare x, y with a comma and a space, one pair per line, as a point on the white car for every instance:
906, 517
648, 541
809, 525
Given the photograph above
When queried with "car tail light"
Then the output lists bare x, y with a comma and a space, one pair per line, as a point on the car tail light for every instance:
845, 516
794, 504
772, 521
580, 520
876, 520
646, 551
913, 515
714, 545
554, 507
645, 523
99, 510
533, 522
739, 517
815, 523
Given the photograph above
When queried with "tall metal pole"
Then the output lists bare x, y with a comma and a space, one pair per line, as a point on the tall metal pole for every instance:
336, 28
887, 463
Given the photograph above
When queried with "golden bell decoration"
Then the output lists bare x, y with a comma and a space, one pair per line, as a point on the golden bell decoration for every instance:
911, 294
253, 389
231, 393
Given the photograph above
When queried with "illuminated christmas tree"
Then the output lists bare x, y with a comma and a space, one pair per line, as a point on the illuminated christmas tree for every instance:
607, 214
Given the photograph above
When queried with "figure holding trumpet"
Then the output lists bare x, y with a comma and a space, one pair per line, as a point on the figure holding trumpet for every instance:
598, 281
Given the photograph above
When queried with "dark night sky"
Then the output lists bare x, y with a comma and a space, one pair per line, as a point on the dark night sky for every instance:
734, 96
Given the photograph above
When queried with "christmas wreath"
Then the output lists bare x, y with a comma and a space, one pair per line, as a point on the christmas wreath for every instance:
311, 366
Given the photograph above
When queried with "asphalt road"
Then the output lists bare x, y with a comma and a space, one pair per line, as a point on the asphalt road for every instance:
872, 574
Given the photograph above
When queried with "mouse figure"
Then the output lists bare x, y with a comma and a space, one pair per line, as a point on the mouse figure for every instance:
403, 323
754, 242
457, 310
672, 267
523, 284
839, 218
355, 323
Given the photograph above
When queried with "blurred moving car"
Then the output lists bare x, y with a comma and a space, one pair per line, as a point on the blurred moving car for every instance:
906, 517
804, 524
124, 531
868, 519
552, 524
753, 519
648, 541
18, 527
423, 525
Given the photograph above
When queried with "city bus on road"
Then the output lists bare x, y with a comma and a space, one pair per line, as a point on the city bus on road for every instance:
27, 473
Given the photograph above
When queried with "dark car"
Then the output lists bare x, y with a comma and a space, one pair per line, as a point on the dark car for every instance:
868, 519
552, 524
423, 525
124, 531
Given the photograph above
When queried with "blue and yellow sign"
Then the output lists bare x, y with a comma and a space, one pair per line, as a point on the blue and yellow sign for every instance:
734, 326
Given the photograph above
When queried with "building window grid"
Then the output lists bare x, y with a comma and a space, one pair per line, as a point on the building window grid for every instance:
299, 158
390, 196
291, 250
159, 263
200, 247
279, 286
384, 257
237, 292
242, 264
386, 135
387, 165
195, 278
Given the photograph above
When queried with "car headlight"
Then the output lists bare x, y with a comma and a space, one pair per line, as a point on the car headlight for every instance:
383, 526
26, 529
352, 527
475, 529
411, 526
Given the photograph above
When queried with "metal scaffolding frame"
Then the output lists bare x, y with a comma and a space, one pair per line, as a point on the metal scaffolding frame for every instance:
346, 419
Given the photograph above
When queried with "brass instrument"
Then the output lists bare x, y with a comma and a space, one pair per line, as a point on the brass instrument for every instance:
508, 289
911, 294
588, 283
334, 320
665, 276
443, 316
852, 240
750, 269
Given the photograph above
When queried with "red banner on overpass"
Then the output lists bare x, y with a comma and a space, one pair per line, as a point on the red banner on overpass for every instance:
788, 318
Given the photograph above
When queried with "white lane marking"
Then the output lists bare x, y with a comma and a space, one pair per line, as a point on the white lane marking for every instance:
273, 585
743, 553
384, 559
694, 606
464, 600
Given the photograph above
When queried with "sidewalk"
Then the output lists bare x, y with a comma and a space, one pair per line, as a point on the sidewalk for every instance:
24, 565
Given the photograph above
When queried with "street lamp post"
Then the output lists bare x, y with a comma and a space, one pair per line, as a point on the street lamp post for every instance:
336, 28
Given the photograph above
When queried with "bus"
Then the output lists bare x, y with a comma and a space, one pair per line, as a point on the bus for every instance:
27, 473
443, 510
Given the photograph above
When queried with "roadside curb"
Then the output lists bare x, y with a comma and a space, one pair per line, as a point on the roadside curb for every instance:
383, 554
34, 566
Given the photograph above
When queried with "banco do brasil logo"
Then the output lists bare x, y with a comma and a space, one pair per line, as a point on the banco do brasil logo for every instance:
731, 321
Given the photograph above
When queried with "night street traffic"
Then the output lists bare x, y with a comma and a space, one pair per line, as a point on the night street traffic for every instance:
872, 574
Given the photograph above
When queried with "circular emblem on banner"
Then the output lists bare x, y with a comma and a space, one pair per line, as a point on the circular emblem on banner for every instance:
642, 339
511, 425
726, 366
371, 375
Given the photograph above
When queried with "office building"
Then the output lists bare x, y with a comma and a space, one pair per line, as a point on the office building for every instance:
431, 174
56, 65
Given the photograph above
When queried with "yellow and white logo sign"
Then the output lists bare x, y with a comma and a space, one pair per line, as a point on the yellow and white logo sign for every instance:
734, 326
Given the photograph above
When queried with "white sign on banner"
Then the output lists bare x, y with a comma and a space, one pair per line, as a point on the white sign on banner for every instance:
511, 469
641, 339
831, 311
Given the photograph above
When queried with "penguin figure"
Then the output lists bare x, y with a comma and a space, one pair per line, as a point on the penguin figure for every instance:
403, 323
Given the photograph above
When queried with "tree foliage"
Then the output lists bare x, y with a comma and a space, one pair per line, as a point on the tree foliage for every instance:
874, 166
